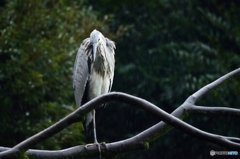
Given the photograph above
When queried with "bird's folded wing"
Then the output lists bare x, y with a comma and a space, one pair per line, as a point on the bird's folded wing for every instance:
80, 73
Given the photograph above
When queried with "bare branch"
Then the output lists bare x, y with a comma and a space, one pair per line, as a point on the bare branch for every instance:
212, 110
197, 95
149, 134
81, 152
139, 141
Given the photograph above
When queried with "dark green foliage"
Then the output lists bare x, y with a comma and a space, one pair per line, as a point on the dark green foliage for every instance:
166, 50
39, 40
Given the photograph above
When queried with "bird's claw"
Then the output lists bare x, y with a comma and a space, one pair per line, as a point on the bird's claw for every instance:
98, 145
104, 145
86, 146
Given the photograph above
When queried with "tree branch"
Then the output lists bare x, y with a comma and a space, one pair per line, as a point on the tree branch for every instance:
197, 95
137, 142
212, 110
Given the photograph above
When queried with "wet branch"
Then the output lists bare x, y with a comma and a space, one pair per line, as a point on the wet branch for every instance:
140, 141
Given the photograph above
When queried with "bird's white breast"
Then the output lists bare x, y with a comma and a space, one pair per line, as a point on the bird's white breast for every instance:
98, 84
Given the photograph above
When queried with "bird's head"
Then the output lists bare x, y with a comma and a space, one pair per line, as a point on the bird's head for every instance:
98, 42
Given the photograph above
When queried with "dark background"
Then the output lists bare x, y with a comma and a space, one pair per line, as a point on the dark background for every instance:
166, 50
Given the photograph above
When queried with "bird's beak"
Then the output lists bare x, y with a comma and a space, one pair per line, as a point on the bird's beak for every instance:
95, 45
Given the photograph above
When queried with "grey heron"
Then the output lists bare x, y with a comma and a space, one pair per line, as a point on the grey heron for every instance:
93, 72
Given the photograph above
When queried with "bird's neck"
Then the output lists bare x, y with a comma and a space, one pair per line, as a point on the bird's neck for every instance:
101, 65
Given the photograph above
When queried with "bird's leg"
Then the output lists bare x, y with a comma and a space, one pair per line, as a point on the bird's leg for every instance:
94, 126
95, 134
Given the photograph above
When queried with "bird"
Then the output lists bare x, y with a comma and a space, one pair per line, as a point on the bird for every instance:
93, 72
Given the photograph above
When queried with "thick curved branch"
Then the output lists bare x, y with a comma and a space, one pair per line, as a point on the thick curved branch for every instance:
140, 140
197, 95
148, 134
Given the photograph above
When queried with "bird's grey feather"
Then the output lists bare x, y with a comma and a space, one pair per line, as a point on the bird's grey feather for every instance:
110, 48
110, 45
81, 72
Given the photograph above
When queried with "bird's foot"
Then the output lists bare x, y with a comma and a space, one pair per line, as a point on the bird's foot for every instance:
98, 145
92, 144
104, 145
